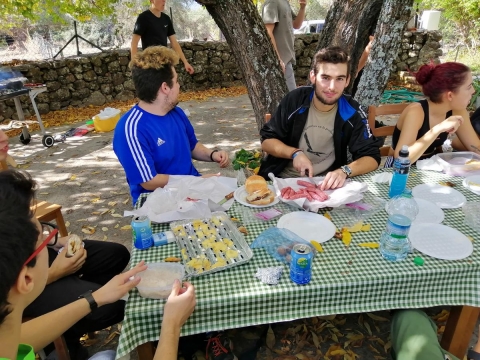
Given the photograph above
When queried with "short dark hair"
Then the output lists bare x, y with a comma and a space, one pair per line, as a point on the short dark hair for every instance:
150, 69
18, 233
332, 55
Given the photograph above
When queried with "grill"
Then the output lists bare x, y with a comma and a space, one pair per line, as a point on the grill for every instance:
12, 86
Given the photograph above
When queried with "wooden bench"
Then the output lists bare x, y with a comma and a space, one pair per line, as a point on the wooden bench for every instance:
45, 211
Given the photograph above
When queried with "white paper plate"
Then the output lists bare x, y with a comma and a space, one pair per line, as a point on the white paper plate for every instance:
475, 179
308, 226
241, 195
440, 241
444, 197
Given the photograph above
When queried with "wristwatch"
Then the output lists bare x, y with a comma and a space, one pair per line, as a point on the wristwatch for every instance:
91, 301
346, 169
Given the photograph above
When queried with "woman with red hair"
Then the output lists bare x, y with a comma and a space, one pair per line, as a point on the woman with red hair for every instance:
425, 125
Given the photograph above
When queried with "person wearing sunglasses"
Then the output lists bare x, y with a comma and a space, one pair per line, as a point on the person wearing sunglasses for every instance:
24, 267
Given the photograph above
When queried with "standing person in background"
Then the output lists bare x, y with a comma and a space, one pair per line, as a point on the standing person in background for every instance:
280, 21
154, 27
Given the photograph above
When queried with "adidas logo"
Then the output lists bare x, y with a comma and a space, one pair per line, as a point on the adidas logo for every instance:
160, 142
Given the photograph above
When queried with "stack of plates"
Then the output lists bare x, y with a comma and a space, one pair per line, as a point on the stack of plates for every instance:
472, 183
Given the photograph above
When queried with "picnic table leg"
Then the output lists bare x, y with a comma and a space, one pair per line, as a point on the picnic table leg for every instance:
459, 329
145, 351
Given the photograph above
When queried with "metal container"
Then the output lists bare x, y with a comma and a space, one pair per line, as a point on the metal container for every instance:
301, 264
142, 232
210, 245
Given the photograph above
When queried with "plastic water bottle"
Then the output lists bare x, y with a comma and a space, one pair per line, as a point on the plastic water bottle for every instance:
401, 167
402, 210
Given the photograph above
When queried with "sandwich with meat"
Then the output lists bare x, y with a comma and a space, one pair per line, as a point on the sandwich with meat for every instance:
258, 192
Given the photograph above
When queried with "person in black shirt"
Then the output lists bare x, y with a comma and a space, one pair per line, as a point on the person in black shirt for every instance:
154, 27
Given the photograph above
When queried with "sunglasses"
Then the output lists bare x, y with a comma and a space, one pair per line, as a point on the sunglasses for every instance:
44, 243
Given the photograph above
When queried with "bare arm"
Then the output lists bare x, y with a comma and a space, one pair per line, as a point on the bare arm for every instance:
409, 130
202, 153
134, 45
178, 49
58, 321
297, 23
270, 28
160, 180
364, 57
466, 135
277, 148
179, 307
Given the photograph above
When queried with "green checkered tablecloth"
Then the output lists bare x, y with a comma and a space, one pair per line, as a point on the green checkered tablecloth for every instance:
344, 280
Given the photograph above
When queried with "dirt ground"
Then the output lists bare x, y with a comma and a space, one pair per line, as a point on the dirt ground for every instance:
84, 176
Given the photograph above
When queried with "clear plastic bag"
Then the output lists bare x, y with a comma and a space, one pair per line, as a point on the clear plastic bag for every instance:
279, 243
350, 214
472, 215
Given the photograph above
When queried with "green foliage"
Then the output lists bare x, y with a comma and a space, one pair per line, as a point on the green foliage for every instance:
11, 11
462, 17
246, 159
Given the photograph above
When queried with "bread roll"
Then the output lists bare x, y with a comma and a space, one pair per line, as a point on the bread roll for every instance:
258, 192
73, 245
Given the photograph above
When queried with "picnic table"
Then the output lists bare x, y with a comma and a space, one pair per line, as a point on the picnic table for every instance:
344, 280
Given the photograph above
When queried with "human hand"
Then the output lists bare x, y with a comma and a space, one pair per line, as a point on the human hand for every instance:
282, 65
221, 157
302, 164
476, 348
333, 180
118, 286
370, 43
450, 124
302, 3
63, 266
189, 68
180, 304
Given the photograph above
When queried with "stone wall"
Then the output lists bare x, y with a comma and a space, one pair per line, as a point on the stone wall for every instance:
99, 78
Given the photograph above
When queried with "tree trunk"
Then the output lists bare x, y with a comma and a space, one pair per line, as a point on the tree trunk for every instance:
391, 24
245, 32
348, 25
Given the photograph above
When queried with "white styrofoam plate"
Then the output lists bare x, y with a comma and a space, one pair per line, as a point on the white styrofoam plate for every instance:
308, 225
444, 197
241, 196
440, 241
472, 183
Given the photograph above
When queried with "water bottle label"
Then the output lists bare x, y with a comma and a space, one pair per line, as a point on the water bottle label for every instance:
400, 168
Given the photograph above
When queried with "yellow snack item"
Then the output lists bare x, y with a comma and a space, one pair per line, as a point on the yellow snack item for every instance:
196, 224
216, 221
208, 243
366, 227
346, 238
355, 228
231, 254
172, 259
199, 233
219, 246
219, 263
317, 245
371, 245
328, 216
228, 242
184, 254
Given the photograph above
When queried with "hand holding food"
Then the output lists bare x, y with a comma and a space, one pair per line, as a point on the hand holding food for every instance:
258, 192
73, 245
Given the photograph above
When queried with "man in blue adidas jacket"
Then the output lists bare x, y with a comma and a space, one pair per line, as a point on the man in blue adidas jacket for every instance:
316, 128
155, 139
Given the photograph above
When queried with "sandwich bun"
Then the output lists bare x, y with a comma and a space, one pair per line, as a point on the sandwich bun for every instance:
74, 244
258, 192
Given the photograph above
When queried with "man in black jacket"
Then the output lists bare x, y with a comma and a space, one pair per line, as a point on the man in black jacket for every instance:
315, 128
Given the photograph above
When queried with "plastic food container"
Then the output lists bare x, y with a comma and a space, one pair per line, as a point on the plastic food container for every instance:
158, 279
210, 245
462, 163
106, 120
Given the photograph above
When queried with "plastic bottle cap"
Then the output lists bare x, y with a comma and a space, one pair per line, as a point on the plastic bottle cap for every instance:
404, 151
418, 261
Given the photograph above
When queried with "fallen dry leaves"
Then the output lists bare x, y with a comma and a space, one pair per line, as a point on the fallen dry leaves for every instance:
77, 114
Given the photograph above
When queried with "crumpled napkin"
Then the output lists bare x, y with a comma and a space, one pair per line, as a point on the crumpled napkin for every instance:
384, 177
430, 164
270, 275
